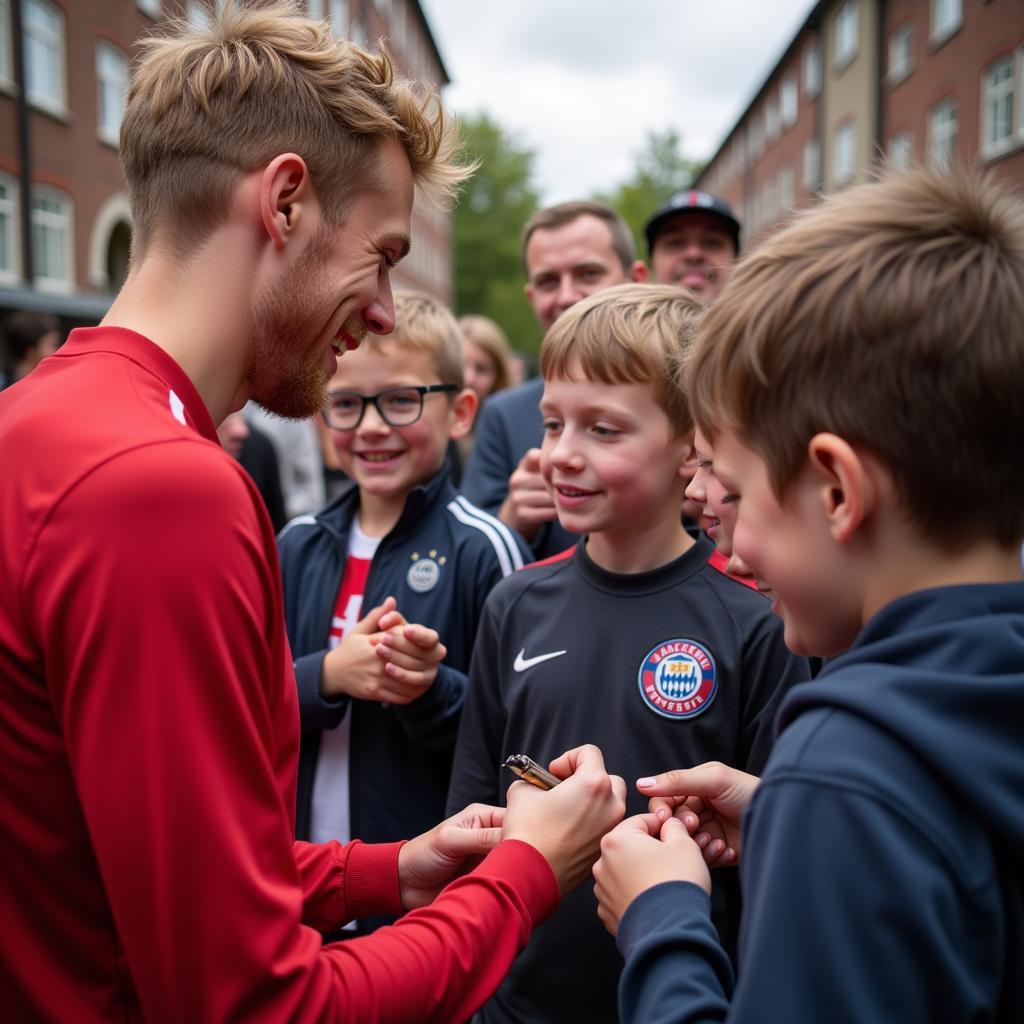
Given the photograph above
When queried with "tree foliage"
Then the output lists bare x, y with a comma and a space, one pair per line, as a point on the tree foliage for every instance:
660, 170
496, 203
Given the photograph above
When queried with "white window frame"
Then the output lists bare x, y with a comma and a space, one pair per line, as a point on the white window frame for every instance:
6, 49
946, 18
772, 120
39, 39
812, 69
789, 101
315, 9
60, 221
844, 153
812, 165
991, 94
847, 35
787, 189
111, 90
942, 129
900, 56
153, 8
338, 15
900, 151
10, 261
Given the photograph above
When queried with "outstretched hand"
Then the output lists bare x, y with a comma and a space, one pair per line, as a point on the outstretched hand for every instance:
709, 800
429, 862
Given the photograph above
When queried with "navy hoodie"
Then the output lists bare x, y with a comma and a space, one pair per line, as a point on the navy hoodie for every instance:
884, 850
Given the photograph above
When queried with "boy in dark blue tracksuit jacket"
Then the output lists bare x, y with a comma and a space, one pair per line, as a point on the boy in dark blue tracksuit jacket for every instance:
381, 690
863, 364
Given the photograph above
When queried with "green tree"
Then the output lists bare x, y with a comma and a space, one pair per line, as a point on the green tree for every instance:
660, 170
494, 205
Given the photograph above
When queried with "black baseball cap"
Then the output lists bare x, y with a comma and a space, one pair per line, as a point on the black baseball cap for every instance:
693, 201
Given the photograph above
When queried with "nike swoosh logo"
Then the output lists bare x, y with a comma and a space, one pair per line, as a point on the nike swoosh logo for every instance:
521, 664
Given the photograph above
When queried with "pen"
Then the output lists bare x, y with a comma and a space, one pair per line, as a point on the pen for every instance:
529, 771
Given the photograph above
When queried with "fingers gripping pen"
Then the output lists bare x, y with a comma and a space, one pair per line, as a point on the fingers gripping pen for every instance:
529, 771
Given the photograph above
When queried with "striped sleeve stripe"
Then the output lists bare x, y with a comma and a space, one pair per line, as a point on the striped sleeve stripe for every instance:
297, 521
493, 529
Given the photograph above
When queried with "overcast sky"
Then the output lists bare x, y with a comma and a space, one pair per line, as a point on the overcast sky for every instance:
582, 82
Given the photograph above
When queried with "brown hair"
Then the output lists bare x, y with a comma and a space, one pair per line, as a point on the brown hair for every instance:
566, 213
483, 331
424, 325
206, 106
628, 334
893, 316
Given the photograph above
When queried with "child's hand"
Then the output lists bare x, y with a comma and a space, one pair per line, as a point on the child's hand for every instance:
639, 853
409, 654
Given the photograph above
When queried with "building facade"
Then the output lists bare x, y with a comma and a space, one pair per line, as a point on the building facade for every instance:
61, 185
866, 80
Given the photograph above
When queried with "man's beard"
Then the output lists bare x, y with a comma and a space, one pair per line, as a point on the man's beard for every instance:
282, 335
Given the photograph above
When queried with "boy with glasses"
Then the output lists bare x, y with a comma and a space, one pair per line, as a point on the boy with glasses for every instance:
383, 589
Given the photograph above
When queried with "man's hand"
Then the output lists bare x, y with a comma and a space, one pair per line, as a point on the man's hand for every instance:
638, 854
565, 824
429, 862
709, 800
529, 504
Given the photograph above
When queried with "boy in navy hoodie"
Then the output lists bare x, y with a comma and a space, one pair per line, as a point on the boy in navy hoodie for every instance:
862, 382
383, 589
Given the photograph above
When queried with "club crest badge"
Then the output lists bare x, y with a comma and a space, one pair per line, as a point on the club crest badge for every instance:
678, 679
424, 573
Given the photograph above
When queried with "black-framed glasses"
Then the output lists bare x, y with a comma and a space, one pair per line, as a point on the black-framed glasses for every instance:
398, 407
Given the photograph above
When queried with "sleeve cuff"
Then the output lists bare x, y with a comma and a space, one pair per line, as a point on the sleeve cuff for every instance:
522, 866
667, 902
371, 879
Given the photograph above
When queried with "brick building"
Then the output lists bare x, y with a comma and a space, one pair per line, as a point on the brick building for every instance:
76, 59
922, 79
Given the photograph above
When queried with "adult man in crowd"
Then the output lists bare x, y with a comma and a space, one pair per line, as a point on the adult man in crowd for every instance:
569, 251
693, 239
148, 756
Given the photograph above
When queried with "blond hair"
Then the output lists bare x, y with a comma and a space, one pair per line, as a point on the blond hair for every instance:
424, 325
627, 334
485, 333
208, 105
892, 315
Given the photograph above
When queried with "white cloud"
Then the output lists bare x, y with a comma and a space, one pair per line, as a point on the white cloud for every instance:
583, 82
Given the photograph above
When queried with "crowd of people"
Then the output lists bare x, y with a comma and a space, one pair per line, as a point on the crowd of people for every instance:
708, 567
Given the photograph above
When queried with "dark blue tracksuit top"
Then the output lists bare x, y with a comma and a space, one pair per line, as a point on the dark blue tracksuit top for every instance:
883, 858
440, 561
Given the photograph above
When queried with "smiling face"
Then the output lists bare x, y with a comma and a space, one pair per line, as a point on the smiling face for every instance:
717, 508
336, 290
789, 546
693, 251
567, 263
613, 462
387, 462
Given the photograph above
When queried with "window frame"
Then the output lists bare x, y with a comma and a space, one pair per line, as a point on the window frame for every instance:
104, 131
896, 74
848, 14
939, 33
59, 50
11, 274
947, 103
988, 148
811, 69
845, 129
66, 216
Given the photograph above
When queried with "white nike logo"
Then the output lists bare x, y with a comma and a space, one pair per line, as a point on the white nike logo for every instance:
521, 664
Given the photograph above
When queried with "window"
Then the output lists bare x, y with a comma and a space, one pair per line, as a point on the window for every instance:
751, 225
769, 201
942, 125
44, 55
812, 165
51, 239
900, 62
901, 151
771, 119
787, 190
844, 153
150, 7
315, 8
812, 69
6, 53
199, 12
788, 102
997, 108
846, 34
947, 16
112, 79
337, 14
9, 261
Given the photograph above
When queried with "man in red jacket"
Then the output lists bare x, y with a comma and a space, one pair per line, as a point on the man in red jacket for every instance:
148, 753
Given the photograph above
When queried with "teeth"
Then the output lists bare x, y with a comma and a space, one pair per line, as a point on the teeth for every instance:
377, 456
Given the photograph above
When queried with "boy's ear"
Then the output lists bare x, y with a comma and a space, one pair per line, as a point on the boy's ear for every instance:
688, 467
847, 488
285, 194
464, 407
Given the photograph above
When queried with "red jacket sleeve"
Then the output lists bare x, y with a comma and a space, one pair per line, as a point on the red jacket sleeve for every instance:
156, 585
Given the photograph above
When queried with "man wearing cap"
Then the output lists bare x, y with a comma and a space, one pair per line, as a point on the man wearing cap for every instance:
693, 239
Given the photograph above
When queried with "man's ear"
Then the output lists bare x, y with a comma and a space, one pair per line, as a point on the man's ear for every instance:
285, 192
638, 272
464, 407
846, 485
